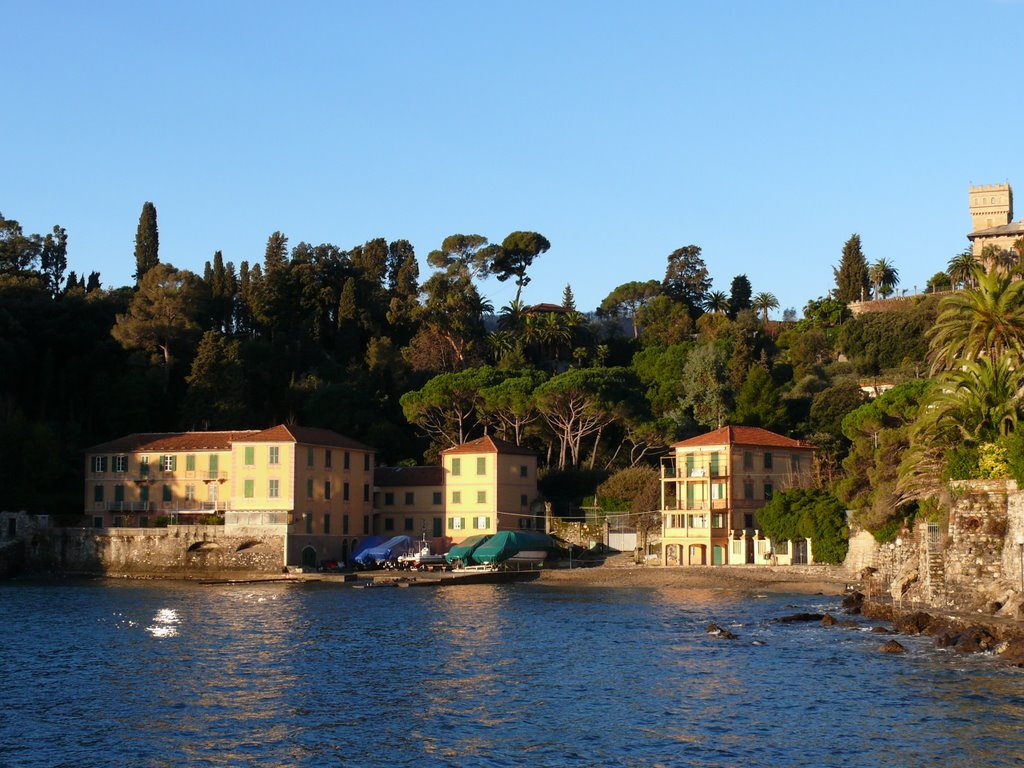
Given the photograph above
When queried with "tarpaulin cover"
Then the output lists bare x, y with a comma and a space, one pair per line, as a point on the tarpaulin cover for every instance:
464, 549
506, 544
390, 550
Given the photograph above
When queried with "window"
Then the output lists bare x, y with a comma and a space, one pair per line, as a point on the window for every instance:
309, 522
344, 491
456, 523
698, 521
120, 463
144, 494
481, 497
717, 520
327, 457
190, 462
389, 499
327, 522
456, 467
768, 491
438, 498
344, 524
143, 466
767, 460
748, 490
715, 468
274, 489
524, 500
119, 493
718, 491
190, 492
366, 462
781, 547
794, 463
97, 493
214, 464
99, 464
748, 460
481, 465
166, 496
309, 457
250, 456
481, 523
275, 455
250, 489
366, 524
366, 492
389, 523
456, 497
327, 489
408, 523
410, 498
346, 460
309, 487
168, 463
524, 471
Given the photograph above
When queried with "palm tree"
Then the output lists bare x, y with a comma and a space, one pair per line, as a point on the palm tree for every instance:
884, 277
764, 302
977, 401
511, 316
983, 321
963, 268
717, 303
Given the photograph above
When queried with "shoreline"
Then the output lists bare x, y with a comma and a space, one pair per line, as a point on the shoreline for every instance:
742, 579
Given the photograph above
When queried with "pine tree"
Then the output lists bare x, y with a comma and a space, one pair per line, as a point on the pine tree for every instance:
739, 295
852, 274
147, 242
568, 300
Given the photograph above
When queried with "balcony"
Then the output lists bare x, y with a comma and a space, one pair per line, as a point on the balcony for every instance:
128, 506
212, 475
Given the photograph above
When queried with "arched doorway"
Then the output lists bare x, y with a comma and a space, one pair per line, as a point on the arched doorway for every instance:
672, 554
698, 555
344, 552
308, 557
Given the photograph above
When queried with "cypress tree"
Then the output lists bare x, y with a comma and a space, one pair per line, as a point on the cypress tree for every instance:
852, 274
147, 242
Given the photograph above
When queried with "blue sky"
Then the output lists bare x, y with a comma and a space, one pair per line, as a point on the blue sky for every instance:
764, 132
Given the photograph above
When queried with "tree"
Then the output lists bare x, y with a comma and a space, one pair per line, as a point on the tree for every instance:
216, 385
852, 274
884, 278
163, 313
686, 278
808, 513
986, 320
147, 242
568, 299
637, 492
510, 404
627, 299
763, 302
717, 303
446, 408
938, 282
739, 295
963, 269
517, 253
758, 403
19, 252
53, 259
707, 390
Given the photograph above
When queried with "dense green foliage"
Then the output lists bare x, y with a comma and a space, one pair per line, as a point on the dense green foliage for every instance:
808, 513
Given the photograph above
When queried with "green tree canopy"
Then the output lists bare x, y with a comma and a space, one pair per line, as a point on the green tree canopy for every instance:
851, 275
147, 242
808, 513
687, 279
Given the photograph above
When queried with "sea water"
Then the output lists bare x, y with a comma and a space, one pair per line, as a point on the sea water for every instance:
110, 673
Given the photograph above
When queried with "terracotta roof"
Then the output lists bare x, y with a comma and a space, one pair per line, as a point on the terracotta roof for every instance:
392, 476
172, 441
290, 433
488, 444
556, 308
221, 441
754, 436
1013, 228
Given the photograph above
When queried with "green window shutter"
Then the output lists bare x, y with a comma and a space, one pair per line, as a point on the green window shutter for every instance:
250, 489
714, 463
689, 465
190, 463
456, 466
690, 487
118, 493
167, 492
214, 463
97, 493
174, 463
481, 465
250, 455
144, 494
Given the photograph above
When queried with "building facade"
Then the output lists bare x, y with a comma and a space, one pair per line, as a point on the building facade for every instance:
711, 488
490, 485
991, 207
312, 485
410, 501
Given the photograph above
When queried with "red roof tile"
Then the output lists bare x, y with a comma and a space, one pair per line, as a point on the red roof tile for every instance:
754, 436
393, 476
172, 441
488, 444
290, 433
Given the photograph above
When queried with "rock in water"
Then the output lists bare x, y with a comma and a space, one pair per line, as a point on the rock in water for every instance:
891, 646
828, 621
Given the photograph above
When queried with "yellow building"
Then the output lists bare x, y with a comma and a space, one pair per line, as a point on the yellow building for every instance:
711, 488
991, 207
410, 501
312, 485
489, 486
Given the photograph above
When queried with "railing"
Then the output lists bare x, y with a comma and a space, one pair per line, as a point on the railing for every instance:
128, 506
215, 474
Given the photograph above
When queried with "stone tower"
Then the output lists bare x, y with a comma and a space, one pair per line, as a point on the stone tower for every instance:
991, 205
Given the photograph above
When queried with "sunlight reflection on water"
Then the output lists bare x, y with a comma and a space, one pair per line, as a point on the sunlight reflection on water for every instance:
489, 675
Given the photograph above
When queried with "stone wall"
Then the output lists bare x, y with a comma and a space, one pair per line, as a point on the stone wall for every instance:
181, 551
